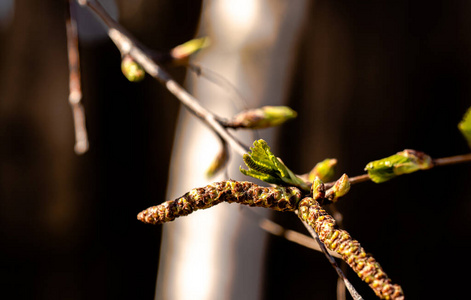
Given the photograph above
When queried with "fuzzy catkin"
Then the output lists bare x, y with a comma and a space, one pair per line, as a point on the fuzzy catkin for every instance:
282, 199
340, 241
243, 192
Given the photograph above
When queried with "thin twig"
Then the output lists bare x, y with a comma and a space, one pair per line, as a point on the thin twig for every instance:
219, 80
352, 180
341, 291
75, 89
291, 235
127, 44
438, 162
332, 261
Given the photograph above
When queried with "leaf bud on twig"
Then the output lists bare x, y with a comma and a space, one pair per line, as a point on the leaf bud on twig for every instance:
465, 126
219, 161
131, 69
340, 189
181, 53
263, 117
325, 170
404, 162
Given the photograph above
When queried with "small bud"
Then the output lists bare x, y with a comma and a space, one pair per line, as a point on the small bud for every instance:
325, 170
465, 126
318, 189
264, 117
131, 69
181, 53
403, 162
340, 189
341, 186
219, 162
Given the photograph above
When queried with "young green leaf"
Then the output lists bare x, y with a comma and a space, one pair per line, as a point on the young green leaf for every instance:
465, 126
265, 166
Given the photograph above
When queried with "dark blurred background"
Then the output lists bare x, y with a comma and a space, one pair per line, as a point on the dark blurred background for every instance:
371, 78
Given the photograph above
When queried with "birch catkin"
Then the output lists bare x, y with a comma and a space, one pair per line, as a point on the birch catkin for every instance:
284, 199
243, 192
340, 241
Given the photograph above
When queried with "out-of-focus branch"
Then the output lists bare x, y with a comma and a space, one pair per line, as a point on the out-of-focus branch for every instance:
75, 89
239, 100
291, 235
127, 44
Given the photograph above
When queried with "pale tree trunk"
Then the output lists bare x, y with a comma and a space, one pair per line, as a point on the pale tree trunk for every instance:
219, 253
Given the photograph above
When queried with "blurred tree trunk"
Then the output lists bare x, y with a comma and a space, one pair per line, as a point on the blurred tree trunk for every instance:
219, 253
370, 78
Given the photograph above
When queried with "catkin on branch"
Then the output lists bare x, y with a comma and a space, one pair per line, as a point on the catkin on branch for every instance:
340, 241
243, 192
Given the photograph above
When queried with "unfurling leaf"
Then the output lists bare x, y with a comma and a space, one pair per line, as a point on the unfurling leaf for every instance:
264, 117
267, 167
403, 162
465, 126
131, 69
325, 170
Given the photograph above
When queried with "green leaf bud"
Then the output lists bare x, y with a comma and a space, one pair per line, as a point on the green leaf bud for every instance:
131, 69
264, 117
325, 170
318, 189
181, 53
403, 162
465, 126
340, 189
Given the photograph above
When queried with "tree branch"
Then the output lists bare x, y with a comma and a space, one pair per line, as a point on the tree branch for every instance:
75, 89
292, 236
436, 162
127, 44
439, 162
